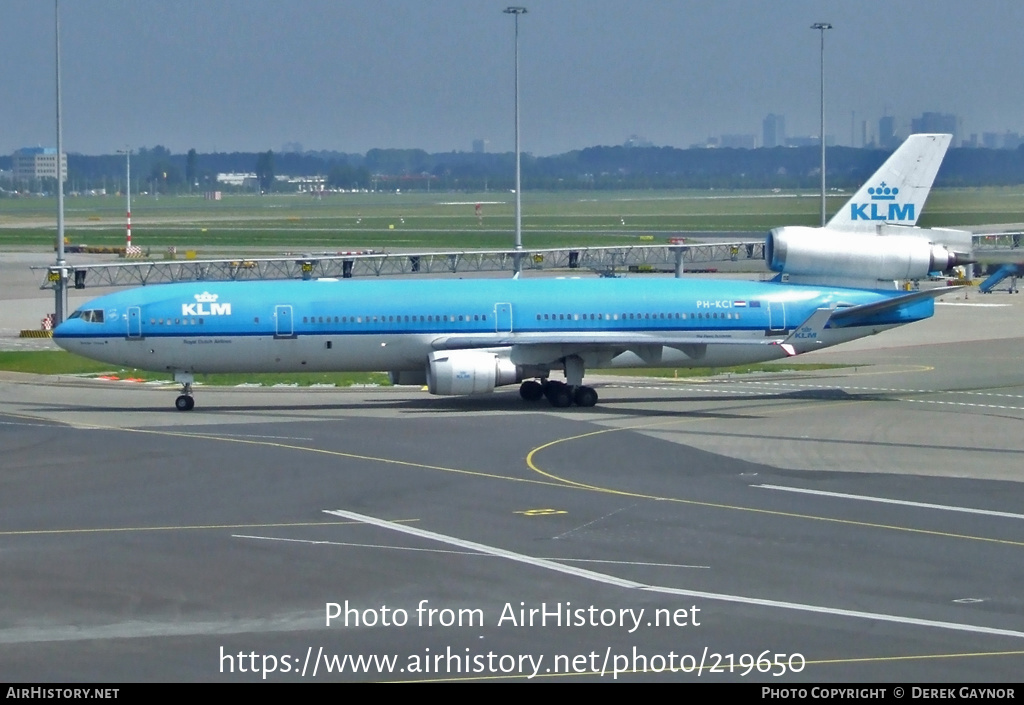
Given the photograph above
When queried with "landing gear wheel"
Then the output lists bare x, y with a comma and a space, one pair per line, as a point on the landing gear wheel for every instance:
560, 395
184, 403
585, 396
531, 390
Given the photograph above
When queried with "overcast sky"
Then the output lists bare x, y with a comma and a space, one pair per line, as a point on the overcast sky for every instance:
350, 75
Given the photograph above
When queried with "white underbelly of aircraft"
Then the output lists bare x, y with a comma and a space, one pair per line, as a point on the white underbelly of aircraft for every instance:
229, 353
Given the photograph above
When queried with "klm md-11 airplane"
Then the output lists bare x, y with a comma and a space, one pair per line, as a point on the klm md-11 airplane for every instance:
470, 336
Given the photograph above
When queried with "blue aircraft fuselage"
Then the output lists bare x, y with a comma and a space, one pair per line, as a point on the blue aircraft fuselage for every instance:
393, 325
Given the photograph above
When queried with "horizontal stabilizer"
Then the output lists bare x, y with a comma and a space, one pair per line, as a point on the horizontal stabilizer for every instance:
848, 312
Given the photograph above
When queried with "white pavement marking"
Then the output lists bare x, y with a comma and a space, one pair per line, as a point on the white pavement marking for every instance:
619, 582
950, 303
750, 388
458, 553
884, 500
489, 550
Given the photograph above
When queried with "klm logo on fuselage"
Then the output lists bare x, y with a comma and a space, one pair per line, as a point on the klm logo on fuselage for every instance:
206, 305
883, 206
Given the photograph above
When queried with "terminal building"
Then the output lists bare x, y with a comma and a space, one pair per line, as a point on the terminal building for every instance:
38, 163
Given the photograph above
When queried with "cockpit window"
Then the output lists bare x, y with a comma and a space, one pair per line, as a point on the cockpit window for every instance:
89, 315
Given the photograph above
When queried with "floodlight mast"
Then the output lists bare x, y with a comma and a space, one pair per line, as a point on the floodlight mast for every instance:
61, 285
127, 152
518, 257
821, 27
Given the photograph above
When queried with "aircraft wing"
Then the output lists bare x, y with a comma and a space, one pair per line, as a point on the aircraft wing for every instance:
548, 348
844, 314
596, 340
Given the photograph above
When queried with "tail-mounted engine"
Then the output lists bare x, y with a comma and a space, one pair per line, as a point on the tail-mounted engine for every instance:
819, 252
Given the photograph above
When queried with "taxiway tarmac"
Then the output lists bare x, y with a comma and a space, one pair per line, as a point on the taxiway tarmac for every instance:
867, 518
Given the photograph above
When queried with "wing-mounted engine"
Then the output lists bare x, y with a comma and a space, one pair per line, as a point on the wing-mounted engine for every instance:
822, 255
456, 372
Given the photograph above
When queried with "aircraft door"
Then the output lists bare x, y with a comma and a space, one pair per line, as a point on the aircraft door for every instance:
503, 318
134, 323
284, 325
776, 316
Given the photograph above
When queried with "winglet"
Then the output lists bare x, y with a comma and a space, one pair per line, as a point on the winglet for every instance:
807, 336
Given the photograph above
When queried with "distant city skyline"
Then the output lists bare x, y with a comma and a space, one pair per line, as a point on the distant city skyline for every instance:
253, 75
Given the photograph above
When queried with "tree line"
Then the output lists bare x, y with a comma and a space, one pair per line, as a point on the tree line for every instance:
600, 167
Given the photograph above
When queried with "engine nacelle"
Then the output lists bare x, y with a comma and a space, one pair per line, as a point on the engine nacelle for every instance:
814, 251
456, 372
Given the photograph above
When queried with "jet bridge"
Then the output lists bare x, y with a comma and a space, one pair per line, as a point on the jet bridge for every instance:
607, 261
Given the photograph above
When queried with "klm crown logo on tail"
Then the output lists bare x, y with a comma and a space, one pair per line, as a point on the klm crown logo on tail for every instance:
887, 210
200, 309
897, 191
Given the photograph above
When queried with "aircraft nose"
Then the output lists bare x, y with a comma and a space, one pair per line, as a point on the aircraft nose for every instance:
60, 334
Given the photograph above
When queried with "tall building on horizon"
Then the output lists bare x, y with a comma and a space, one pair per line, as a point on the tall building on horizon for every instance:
937, 123
774, 131
887, 137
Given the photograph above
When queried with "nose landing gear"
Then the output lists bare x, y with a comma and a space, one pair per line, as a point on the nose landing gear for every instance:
184, 402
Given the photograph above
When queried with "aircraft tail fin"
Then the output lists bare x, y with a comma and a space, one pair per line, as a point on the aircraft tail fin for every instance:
897, 191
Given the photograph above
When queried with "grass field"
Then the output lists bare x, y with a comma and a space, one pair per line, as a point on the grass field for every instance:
58, 362
381, 221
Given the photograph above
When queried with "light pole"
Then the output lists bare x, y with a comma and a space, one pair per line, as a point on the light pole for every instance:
127, 152
61, 284
821, 27
518, 257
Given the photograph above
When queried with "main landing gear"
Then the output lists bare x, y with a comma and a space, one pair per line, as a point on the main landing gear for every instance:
559, 394
562, 394
184, 402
